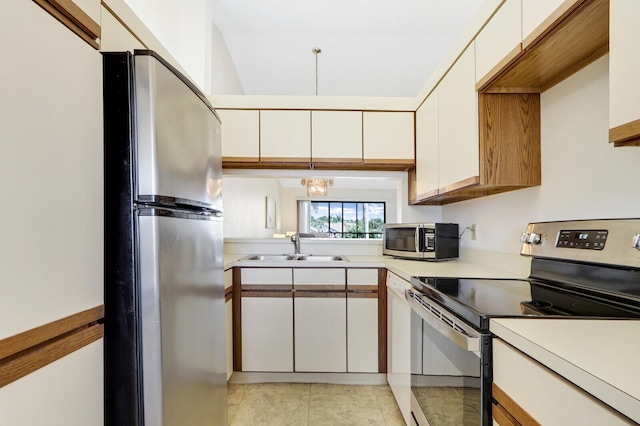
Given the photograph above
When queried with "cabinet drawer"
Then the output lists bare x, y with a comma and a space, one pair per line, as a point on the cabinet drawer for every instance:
362, 277
333, 279
266, 276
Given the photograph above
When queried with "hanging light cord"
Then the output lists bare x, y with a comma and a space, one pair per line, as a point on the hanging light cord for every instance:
315, 51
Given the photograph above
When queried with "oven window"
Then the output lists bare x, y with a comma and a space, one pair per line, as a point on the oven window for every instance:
445, 379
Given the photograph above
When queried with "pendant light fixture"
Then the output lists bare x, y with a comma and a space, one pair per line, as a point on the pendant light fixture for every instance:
317, 187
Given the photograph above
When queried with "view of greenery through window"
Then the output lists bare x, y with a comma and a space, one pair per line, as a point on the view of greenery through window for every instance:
343, 219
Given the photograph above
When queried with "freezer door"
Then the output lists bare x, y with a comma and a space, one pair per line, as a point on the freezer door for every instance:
179, 146
183, 319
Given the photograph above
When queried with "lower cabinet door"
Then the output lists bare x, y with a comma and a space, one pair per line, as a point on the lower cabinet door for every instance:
320, 333
399, 351
267, 335
362, 334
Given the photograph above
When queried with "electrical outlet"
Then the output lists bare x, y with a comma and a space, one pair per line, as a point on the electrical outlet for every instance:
474, 229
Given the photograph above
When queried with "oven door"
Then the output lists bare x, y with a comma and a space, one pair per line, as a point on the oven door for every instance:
450, 367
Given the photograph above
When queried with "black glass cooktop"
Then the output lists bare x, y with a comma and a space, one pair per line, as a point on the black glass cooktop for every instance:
476, 300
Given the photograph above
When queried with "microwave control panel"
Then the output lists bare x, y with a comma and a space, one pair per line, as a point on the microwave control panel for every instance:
429, 239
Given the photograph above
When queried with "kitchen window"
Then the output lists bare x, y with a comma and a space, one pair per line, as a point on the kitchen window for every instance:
348, 219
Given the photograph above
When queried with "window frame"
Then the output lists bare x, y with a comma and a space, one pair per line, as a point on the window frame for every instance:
344, 235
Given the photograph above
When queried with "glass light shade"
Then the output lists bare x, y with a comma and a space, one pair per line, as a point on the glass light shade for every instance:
317, 187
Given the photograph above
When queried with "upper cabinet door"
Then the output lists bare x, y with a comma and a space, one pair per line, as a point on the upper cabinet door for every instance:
388, 137
458, 125
499, 41
336, 136
285, 136
535, 13
52, 146
114, 36
427, 147
624, 72
240, 135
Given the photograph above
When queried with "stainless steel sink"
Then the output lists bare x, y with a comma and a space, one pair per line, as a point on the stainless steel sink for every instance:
270, 257
314, 258
293, 257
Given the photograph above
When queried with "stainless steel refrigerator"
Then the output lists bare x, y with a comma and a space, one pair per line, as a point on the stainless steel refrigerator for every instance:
165, 356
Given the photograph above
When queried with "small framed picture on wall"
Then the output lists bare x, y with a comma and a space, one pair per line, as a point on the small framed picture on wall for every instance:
270, 213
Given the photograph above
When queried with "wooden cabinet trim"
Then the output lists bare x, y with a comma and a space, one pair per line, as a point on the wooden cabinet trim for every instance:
269, 294
74, 18
26, 352
236, 304
511, 57
266, 287
626, 134
577, 35
382, 320
324, 294
510, 139
511, 408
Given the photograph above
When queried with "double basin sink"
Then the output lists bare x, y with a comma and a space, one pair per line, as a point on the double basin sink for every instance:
293, 257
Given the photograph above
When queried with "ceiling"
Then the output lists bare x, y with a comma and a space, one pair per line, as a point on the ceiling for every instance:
369, 47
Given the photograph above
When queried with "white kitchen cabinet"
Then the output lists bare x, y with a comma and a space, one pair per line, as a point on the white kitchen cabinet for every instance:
285, 136
500, 40
320, 320
51, 155
267, 335
388, 137
545, 396
228, 283
240, 135
458, 125
320, 333
427, 141
336, 136
624, 69
399, 343
362, 320
535, 12
114, 36
267, 315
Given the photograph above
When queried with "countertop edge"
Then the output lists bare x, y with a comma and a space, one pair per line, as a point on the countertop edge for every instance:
602, 390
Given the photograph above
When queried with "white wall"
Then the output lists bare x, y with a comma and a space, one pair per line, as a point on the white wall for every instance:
184, 28
583, 176
187, 31
224, 77
245, 206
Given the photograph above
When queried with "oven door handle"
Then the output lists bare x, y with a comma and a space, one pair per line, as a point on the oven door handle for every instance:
446, 324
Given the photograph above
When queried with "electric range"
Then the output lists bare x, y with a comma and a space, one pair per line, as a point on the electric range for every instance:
579, 269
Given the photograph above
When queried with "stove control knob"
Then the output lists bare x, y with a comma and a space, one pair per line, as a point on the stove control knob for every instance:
636, 241
534, 238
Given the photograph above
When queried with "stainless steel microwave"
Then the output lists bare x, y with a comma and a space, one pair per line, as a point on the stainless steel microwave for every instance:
425, 241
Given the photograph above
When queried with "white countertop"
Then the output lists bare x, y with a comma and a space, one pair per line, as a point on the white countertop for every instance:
403, 268
600, 356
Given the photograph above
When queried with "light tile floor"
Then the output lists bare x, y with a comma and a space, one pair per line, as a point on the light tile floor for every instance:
296, 404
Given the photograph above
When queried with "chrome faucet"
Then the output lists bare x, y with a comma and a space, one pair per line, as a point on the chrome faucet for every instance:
295, 238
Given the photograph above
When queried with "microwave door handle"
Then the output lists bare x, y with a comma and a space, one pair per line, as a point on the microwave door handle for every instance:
417, 239
470, 341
